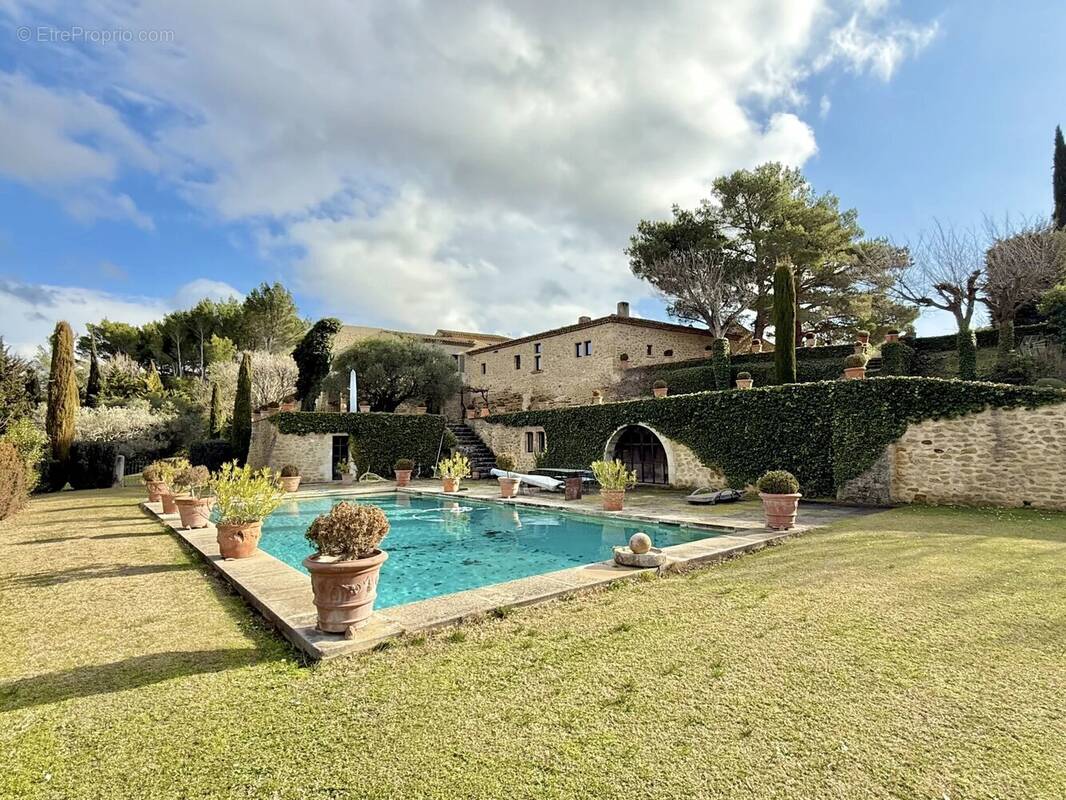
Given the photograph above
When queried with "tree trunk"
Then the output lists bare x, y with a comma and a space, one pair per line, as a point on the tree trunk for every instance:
1006, 342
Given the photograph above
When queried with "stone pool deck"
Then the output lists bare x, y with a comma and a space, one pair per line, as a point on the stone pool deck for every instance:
283, 595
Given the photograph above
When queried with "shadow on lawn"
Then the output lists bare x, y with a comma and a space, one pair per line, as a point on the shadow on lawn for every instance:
128, 535
132, 673
93, 571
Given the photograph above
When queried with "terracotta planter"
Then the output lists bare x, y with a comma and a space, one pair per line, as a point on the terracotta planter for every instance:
808, 342
155, 490
347, 479
471, 413
780, 510
508, 486
661, 392
483, 412
891, 338
613, 499
195, 512
744, 383
364, 408
345, 591
239, 540
854, 373
290, 484
450, 484
403, 476
169, 506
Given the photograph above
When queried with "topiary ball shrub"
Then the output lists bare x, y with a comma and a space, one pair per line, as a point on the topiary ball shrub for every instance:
1015, 369
778, 481
743, 376
290, 471
896, 359
348, 532
403, 465
855, 361
506, 462
659, 384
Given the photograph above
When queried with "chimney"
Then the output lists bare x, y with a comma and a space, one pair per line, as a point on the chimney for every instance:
623, 309
583, 320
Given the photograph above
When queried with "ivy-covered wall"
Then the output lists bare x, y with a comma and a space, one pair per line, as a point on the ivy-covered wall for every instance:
825, 433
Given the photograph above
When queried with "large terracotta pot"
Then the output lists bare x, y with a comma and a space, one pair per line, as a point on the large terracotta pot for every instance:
345, 591
661, 392
290, 483
745, 383
155, 490
508, 486
403, 476
780, 510
854, 373
891, 338
239, 540
450, 484
195, 512
613, 499
169, 506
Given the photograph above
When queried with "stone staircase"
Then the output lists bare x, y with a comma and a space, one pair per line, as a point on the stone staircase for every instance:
873, 366
470, 445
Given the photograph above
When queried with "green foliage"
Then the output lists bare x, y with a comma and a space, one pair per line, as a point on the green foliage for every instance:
778, 481
1013, 368
720, 363
153, 384
985, 337
505, 461
897, 358
393, 369
348, 532
1050, 383
14, 491
220, 350
241, 425
1053, 306
92, 386
244, 494
405, 464
784, 323
290, 471
1005, 345
212, 453
15, 400
454, 466
1058, 180
613, 475
855, 360
744, 376
824, 433
193, 480
62, 398
217, 414
967, 343
380, 439
92, 464
30, 443
270, 320
313, 356
659, 384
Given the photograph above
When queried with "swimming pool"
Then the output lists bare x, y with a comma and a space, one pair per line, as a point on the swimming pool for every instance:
440, 545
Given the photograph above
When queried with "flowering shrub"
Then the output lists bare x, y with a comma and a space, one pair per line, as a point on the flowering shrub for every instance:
457, 466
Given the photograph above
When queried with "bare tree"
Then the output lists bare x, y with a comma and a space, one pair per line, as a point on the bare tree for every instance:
1023, 261
705, 286
944, 272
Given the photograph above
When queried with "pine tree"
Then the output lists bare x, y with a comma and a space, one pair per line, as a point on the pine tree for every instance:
785, 322
1058, 179
241, 424
216, 411
62, 400
92, 388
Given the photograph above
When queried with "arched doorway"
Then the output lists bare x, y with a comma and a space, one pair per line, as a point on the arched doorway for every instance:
641, 450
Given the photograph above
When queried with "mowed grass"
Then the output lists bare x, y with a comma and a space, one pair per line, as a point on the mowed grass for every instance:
917, 653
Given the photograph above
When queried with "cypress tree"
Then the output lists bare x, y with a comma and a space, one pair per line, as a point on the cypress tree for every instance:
62, 400
1058, 179
153, 384
216, 411
92, 388
241, 425
720, 364
785, 322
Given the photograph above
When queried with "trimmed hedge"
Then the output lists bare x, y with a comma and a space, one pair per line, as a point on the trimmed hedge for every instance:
92, 465
379, 440
824, 433
704, 379
211, 453
986, 337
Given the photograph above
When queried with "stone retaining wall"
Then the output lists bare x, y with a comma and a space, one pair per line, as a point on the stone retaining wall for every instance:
311, 453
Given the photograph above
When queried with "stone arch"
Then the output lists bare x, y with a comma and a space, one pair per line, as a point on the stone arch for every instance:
610, 449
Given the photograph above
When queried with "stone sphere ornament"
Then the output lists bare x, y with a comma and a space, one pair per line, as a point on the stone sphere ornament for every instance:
640, 542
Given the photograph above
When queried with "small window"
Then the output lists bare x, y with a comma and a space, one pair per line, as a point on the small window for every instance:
529, 441
536, 363
484, 367
668, 353
541, 441
518, 362
588, 348
649, 349
577, 349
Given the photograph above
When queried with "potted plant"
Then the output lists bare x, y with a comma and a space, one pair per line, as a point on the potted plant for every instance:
508, 485
484, 410
892, 336
614, 479
659, 388
780, 495
364, 408
471, 411
344, 469
245, 497
744, 380
855, 366
402, 469
808, 340
195, 501
152, 475
169, 469
290, 478
862, 337
452, 470
756, 345
346, 565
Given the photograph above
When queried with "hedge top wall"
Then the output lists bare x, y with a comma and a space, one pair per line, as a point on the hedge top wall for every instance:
825, 433
379, 439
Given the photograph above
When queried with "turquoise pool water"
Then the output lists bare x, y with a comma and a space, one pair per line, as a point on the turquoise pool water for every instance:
441, 545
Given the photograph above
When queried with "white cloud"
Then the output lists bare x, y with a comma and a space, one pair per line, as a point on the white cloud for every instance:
823, 106
196, 290
460, 163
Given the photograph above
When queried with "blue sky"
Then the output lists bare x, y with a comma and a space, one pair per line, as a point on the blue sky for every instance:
482, 168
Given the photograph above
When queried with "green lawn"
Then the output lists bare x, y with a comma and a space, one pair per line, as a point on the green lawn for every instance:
914, 654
